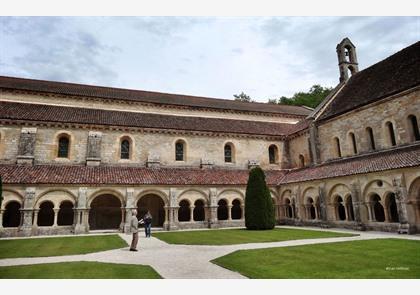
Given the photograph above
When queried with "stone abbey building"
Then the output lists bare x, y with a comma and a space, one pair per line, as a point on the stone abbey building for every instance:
77, 158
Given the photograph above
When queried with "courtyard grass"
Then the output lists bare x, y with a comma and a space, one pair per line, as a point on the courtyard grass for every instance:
58, 246
242, 236
78, 270
368, 259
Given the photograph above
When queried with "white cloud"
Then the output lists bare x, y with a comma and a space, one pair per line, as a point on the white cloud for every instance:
264, 57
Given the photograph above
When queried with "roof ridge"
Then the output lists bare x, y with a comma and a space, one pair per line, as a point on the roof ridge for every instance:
174, 95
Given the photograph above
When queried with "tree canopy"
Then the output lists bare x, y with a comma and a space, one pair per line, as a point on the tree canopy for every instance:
242, 97
312, 98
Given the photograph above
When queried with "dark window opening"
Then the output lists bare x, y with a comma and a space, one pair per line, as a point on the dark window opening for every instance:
179, 151
228, 153
63, 147
125, 149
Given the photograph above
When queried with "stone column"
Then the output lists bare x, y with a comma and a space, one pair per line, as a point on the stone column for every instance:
322, 194
213, 208
82, 223
27, 211
192, 213
370, 210
35, 221
401, 199
173, 209
243, 212
127, 210
386, 211
346, 211
166, 222
55, 216
1, 218
229, 212
356, 197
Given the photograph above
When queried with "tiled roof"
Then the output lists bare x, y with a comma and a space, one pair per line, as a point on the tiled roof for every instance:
392, 75
386, 160
65, 174
146, 96
49, 113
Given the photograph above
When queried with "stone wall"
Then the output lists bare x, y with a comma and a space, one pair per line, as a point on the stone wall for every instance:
375, 116
143, 145
299, 146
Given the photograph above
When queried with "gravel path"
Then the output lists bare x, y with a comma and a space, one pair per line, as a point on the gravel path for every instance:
189, 261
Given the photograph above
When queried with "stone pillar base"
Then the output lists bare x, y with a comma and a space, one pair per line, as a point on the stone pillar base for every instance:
80, 229
172, 226
405, 228
359, 226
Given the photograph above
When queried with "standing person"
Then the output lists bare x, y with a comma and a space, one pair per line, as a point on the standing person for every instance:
147, 223
134, 228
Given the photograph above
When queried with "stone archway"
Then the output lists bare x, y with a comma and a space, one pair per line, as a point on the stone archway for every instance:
105, 212
155, 205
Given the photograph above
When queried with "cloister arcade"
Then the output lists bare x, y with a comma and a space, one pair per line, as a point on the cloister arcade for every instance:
377, 206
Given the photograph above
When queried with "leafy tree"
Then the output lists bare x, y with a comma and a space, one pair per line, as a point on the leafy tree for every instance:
259, 210
242, 97
312, 99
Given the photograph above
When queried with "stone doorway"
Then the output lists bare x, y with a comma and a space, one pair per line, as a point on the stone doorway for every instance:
105, 212
155, 205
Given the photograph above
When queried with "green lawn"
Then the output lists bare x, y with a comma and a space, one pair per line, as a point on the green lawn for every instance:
242, 236
78, 270
369, 259
40, 247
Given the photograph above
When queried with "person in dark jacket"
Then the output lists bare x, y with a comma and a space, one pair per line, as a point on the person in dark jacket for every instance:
147, 218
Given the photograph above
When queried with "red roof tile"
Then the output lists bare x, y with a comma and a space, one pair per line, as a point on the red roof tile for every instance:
386, 160
146, 96
111, 175
49, 113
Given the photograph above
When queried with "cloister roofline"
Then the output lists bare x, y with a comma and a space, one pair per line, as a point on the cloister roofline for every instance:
395, 158
158, 98
42, 114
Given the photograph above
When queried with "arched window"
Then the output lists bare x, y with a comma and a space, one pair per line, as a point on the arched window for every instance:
125, 149
391, 133
349, 207
353, 142
198, 213
378, 209
391, 206
46, 214
415, 133
294, 208
236, 211
301, 161
65, 214
228, 153
63, 146
222, 210
11, 216
273, 154
337, 147
369, 131
180, 150
184, 213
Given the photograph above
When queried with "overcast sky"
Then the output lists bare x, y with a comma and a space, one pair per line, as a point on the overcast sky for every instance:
266, 57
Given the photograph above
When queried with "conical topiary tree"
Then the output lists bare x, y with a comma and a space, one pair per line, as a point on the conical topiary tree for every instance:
259, 211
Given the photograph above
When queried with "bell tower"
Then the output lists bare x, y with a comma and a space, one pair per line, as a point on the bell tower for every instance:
347, 59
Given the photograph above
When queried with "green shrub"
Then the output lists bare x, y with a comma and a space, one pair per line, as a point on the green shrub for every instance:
259, 211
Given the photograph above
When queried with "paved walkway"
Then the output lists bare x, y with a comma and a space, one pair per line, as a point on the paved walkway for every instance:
187, 261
